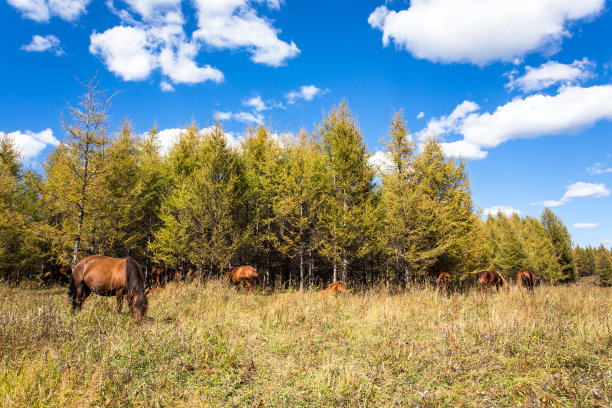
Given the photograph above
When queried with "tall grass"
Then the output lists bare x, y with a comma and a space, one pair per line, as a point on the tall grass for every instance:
208, 346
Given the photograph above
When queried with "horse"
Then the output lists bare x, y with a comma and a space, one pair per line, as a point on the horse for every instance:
158, 275
109, 277
526, 279
444, 280
332, 289
488, 279
240, 274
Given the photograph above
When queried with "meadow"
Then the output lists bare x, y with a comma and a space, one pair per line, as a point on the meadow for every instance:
205, 345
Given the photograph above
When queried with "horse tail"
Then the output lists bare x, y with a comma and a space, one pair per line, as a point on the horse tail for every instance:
504, 283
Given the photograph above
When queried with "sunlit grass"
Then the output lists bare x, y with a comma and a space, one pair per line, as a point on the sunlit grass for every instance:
208, 346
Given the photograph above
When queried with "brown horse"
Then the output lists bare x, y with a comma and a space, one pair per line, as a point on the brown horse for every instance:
240, 274
334, 288
526, 279
158, 275
488, 279
444, 280
109, 277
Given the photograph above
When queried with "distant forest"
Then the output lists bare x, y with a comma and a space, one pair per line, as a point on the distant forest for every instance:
303, 209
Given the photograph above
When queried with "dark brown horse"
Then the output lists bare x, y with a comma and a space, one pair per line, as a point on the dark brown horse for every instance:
158, 275
109, 277
488, 279
240, 274
444, 280
526, 279
334, 288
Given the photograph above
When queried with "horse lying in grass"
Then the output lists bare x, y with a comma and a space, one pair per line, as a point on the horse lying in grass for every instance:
488, 279
444, 280
526, 279
109, 277
333, 289
242, 274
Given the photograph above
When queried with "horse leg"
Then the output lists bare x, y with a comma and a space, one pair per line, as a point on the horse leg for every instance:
82, 291
250, 285
120, 295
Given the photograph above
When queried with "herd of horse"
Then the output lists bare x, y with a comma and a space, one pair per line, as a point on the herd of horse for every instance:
124, 278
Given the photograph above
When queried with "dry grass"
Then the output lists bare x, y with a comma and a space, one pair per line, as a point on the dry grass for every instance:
208, 346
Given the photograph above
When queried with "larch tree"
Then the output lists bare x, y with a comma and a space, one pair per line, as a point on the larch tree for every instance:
345, 210
562, 243
76, 171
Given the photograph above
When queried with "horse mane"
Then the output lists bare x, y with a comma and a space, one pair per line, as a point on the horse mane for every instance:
135, 281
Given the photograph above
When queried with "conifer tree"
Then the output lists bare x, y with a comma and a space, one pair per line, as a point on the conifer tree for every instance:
76, 169
562, 243
344, 210
604, 266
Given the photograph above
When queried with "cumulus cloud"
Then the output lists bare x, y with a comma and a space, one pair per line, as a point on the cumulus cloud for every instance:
421, 115
552, 73
585, 225
306, 92
166, 138
31, 144
506, 210
256, 103
236, 24
571, 109
579, 190
43, 10
152, 36
480, 31
46, 43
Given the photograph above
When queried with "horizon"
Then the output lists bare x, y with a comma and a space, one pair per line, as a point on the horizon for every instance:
525, 99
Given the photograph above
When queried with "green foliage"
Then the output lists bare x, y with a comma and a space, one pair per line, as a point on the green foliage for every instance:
604, 266
562, 242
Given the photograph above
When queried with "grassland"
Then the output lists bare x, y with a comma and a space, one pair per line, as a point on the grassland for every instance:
207, 346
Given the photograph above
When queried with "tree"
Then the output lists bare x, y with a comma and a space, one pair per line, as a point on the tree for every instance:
604, 266
76, 169
562, 242
344, 210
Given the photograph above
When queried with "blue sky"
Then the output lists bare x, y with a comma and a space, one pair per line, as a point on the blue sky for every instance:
522, 89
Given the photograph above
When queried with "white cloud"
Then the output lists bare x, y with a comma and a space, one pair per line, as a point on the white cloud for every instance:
579, 189
234, 24
125, 51
480, 31
600, 168
31, 144
166, 86
244, 117
571, 109
151, 8
381, 161
43, 10
506, 210
46, 43
585, 225
552, 73
420, 115
256, 103
168, 137
306, 92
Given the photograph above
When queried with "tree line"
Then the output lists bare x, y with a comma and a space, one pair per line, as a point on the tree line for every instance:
303, 209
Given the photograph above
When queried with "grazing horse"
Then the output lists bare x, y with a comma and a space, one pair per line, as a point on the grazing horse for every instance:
334, 288
444, 280
489, 279
526, 279
240, 274
158, 275
109, 277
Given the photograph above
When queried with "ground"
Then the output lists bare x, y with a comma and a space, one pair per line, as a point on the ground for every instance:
208, 346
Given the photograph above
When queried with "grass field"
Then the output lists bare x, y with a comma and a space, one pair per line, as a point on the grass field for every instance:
208, 346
